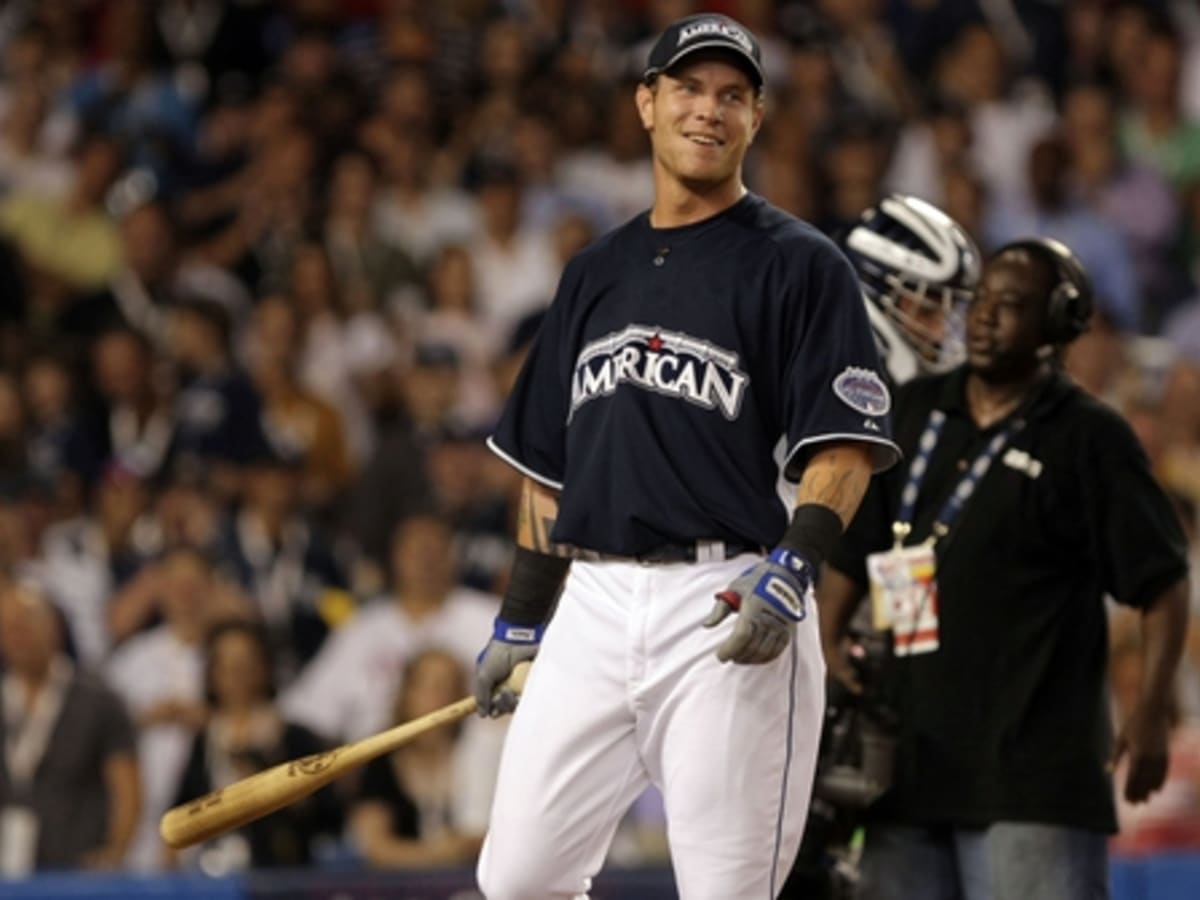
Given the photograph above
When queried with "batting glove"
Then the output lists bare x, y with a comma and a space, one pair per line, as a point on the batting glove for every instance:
769, 599
510, 644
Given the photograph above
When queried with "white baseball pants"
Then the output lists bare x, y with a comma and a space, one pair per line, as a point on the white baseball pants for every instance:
627, 690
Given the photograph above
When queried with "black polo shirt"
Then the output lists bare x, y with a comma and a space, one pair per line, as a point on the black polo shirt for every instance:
1008, 719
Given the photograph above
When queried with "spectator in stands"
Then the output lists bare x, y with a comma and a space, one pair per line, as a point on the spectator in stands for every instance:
965, 199
1053, 210
61, 451
425, 392
156, 268
347, 691
25, 163
86, 559
209, 47
1008, 114
853, 154
263, 210
282, 560
33, 55
218, 413
1097, 361
68, 243
69, 776
14, 448
186, 512
245, 734
135, 424
929, 147
617, 171
535, 151
1154, 130
520, 339
867, 61
1129, 197
413, 211
131, 99
457, 465
357, 253
159, 674
323, 362
515, 266
405, 105
427, 803
295, 417
452, 319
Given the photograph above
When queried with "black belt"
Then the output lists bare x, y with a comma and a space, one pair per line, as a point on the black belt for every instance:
698, 551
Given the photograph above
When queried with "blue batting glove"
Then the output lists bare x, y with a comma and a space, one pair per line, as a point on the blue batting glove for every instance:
769, 599
510, 644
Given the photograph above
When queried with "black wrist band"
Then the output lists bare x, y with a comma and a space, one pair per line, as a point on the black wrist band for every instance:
533, 587
813, 533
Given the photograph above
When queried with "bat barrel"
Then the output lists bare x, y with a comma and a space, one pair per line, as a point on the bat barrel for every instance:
261, 794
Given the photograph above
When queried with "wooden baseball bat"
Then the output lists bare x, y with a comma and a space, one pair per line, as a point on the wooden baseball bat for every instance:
265, 792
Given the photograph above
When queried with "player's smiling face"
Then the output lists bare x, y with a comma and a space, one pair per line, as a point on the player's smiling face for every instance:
701, 118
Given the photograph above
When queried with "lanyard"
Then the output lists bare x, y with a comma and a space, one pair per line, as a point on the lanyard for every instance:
27, 734
962, 491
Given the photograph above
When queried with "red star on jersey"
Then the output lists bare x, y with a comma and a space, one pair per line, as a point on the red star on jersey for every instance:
655, 343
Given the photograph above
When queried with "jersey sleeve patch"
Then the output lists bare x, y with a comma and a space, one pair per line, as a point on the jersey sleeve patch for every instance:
863, 391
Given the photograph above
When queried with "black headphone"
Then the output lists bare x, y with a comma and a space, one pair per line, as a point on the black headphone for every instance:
1069, 307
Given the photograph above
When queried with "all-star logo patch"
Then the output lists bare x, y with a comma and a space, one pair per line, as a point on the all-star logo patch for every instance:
863, 391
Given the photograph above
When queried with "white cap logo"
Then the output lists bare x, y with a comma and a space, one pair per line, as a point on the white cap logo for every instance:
715, 26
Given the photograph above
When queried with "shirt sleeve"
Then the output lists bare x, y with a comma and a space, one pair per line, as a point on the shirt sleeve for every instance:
834, 386
1138, 537
532, 432
119, 734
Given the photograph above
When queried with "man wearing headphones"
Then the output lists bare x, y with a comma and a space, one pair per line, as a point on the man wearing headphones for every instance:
988, 557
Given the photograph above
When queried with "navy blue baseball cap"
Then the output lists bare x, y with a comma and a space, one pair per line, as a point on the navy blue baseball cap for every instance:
705, 31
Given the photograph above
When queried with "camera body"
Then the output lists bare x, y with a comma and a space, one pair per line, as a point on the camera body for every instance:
858, 741
854, 768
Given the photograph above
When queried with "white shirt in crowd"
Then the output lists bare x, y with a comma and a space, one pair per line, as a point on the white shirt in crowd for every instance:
146, 670
513, 280
347, 691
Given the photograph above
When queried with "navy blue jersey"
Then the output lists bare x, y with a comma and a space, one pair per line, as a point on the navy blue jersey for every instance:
679, 370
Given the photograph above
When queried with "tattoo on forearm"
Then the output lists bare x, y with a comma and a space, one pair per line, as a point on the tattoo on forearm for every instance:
535, 524
547, 528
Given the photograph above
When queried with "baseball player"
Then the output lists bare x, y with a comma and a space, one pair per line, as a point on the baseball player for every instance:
918, 269
694, 361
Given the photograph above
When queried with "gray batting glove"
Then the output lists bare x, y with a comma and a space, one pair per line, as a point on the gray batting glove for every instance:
769, 599
510, 644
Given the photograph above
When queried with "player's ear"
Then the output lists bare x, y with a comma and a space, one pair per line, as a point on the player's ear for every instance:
644, 98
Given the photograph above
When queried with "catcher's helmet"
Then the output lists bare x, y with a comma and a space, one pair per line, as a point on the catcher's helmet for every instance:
919, 267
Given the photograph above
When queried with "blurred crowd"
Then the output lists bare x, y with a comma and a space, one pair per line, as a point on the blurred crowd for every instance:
268, 269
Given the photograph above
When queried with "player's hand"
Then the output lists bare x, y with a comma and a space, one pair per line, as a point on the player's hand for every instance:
769, 599
1145, 739
510, 644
